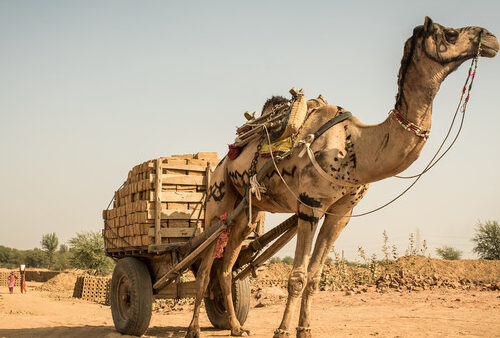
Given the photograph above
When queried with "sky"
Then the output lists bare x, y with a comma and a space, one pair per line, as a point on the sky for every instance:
88, 89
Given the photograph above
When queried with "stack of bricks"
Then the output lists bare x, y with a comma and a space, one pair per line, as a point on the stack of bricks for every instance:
93, 289
4, 278
180, 191
77, 290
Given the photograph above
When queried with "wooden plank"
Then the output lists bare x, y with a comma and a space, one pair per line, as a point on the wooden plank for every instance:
189, 167
176, 232
189, 259
175, 196
158, 212
183, 179
178, 214
181, 290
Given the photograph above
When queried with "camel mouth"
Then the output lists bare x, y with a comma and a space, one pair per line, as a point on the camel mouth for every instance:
488, 51
490, 46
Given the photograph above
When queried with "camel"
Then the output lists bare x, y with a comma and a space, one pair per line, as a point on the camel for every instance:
351, 153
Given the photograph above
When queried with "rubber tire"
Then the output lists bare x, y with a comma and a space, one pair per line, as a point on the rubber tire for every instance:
136, 320
215, 308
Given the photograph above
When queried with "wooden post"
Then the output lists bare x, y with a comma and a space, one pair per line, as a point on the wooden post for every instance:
208, 175
268, 253
158, 187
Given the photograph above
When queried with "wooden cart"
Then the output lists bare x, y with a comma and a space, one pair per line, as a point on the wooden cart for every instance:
156, 232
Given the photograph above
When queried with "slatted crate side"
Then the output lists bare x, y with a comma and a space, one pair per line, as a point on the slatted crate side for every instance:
183, 189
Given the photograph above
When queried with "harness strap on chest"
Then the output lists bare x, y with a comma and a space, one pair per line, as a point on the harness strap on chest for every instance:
313, 137
330, 123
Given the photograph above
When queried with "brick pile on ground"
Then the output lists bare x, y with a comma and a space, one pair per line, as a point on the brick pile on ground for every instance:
405, 274
406, 281
165, 306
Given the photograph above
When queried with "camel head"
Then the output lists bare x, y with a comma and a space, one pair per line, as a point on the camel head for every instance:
437, 51
448, 45
451, 46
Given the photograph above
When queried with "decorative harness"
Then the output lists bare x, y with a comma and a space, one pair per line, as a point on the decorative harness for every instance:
410, 126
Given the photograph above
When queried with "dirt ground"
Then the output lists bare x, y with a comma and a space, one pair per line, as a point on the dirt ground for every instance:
443, 312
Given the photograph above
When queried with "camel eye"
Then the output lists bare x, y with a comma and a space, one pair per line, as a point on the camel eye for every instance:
451, 35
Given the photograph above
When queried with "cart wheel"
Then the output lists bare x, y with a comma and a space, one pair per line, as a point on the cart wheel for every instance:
215, 308
131, 296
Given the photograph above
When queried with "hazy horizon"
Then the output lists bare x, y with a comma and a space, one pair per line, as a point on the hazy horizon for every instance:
90, 89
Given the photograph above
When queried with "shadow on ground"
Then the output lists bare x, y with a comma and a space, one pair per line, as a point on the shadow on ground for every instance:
92, 331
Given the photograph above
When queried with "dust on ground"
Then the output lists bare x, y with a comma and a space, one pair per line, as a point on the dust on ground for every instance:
441, 312
48, 310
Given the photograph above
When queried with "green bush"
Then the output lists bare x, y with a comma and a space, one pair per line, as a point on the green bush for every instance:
449, 253
275, 260
487, 240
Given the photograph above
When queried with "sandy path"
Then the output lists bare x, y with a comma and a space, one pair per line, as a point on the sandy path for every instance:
423, 314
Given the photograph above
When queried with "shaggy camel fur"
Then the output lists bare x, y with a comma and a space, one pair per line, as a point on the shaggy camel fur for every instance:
351, 152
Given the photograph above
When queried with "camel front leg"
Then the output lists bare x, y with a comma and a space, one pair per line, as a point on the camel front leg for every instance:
307, 224
239, 232
330, 231
202, 280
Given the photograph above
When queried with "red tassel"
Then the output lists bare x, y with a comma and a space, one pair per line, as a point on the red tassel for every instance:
234, 152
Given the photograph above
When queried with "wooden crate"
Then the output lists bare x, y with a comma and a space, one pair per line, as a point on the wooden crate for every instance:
162, 201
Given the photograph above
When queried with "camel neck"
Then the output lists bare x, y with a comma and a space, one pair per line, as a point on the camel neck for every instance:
420, 85
397, 148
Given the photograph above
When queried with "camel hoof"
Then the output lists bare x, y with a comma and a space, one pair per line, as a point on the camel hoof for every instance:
193, 332
241, 332
304, 334
279, 333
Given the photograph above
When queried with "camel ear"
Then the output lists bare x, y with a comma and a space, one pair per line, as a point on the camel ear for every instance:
428, 25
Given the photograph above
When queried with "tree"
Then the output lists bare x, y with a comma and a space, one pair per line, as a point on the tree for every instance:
87, 252
449, 253
287, 260
487, 240
49, 244
63, 248
35, 258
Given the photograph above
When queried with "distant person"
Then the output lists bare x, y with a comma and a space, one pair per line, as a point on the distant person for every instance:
12, 282
22, 273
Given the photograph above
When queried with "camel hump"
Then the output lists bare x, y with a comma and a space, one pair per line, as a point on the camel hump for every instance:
316, 103
282, 118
